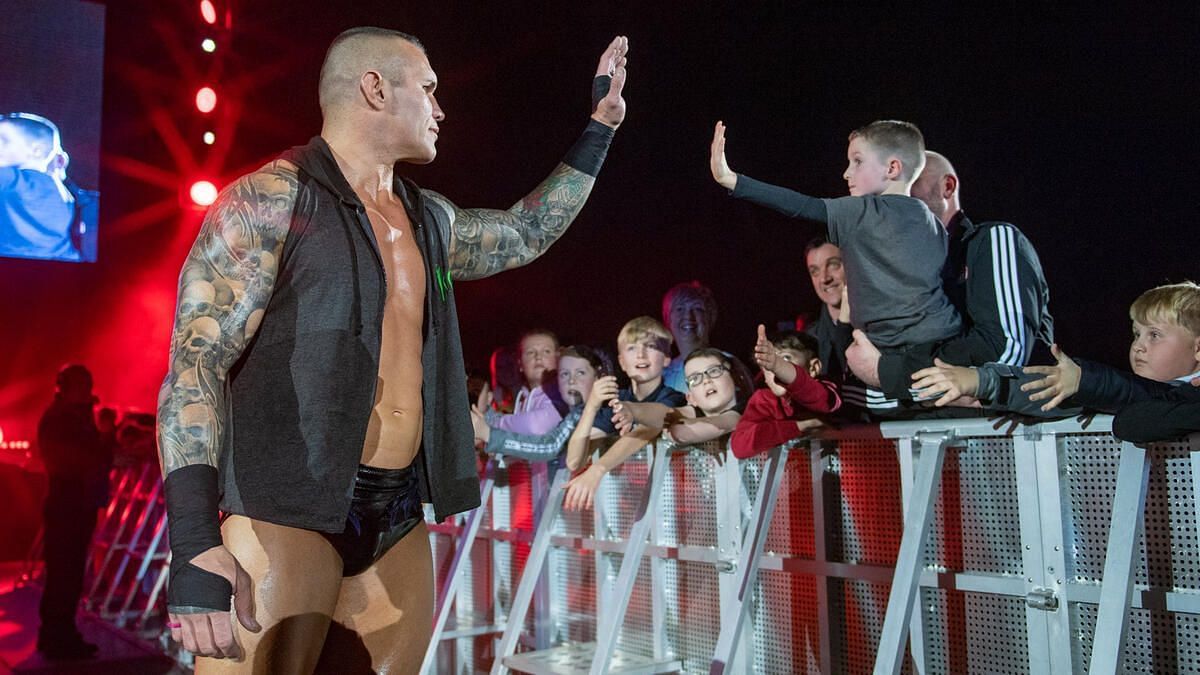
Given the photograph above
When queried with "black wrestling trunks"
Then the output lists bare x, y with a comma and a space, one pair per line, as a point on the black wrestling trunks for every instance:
386, 506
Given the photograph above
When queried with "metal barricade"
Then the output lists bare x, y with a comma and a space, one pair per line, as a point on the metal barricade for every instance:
936, 546
131, 543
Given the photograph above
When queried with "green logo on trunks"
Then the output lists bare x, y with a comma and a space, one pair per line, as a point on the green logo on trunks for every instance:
444, 282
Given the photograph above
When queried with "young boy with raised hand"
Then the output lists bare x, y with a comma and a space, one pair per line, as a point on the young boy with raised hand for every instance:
892, 246
1164, 357
643, 346
793, 398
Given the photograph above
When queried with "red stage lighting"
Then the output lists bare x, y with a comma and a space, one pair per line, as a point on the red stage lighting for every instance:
203, 193
206, 99
208, 11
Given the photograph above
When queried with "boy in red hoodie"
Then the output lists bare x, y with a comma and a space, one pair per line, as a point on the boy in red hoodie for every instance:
793, 397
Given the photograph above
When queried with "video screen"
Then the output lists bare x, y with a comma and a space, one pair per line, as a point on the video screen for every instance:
51, 79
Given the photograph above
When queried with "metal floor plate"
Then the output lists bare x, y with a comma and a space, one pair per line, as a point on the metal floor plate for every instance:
575, 658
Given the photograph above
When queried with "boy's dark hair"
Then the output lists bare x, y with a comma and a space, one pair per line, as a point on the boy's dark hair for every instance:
804, 343
597, 359
894, 138
743, 381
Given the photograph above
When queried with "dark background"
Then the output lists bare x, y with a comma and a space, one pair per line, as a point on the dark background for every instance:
1075, 125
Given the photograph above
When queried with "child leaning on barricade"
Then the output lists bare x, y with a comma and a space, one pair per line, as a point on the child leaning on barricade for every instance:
579, 366
643, 346
1154, 402
717, 384
718, 387
793, 398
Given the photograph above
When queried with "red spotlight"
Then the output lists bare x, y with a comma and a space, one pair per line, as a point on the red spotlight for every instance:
203, 193
208, 11
206, 99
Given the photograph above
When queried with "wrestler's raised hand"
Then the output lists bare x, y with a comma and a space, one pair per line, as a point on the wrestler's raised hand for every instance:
608, 106
211, 633
716, 161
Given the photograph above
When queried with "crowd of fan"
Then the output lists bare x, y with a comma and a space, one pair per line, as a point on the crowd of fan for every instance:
924, 313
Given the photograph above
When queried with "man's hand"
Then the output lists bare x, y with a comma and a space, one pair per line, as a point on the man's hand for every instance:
610, 110
716, 161
767, 357
945, 383
581, 491
1061, 380
844, 309
863, 359
603, 390
211, 633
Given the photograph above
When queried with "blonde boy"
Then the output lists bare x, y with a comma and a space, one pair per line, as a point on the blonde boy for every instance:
643, 346
1165, 349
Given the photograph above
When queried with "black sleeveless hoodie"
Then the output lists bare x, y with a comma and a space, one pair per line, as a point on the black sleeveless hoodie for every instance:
301, 395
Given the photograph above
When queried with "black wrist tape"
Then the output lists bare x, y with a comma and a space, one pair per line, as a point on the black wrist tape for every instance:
191, 496
600, 86
193, 590
588, 153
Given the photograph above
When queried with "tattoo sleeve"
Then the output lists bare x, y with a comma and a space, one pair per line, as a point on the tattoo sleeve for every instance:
486, 241
224, 287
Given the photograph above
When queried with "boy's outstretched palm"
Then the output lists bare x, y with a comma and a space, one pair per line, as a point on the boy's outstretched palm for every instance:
716, 162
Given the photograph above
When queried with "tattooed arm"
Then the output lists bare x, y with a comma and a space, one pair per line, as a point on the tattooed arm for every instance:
486, 241
224, 287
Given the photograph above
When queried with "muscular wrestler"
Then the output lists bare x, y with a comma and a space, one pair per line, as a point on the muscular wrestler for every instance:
316, 392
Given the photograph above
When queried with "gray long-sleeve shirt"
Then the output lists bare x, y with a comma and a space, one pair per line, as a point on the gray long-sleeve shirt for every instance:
893, 249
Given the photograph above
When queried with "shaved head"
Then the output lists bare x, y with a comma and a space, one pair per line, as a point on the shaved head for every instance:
355, 52
938, 187
936, 164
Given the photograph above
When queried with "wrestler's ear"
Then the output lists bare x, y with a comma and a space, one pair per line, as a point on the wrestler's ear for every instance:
373, 89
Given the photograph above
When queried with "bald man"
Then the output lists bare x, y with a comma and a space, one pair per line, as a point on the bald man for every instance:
316, 393
992, 275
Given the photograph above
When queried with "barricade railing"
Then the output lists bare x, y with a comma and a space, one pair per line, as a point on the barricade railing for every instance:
933, 545
132, 547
